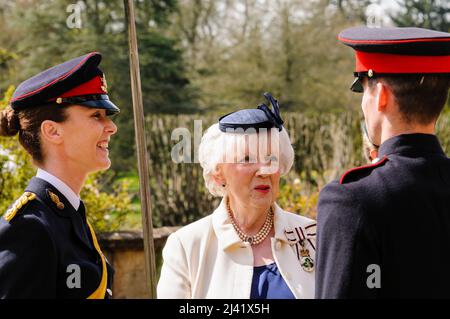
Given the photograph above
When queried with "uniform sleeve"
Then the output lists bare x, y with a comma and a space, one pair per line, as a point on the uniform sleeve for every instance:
174, 280
345, 246
27, 259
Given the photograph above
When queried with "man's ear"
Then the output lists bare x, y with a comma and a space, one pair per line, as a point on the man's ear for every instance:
384, 94
51, 132
373, 154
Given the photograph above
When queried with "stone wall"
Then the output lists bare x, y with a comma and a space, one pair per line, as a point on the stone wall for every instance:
125, 251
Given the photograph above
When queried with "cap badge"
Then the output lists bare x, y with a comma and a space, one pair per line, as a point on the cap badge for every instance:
104, 84
370, 73
55, 199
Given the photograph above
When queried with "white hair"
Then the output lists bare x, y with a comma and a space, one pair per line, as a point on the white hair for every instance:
215, 146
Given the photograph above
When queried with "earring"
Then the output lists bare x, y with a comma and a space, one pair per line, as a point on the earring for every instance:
223, 185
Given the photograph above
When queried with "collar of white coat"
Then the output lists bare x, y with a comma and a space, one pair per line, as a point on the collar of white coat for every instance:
62, 187
227, 236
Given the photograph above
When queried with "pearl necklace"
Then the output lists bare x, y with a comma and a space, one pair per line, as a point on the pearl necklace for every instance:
260, 235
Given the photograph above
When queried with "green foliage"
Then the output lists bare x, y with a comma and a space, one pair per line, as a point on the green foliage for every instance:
15, 165
288, 48
107, 211
295, 197
431, 14
163, 68
7, 58
352, 9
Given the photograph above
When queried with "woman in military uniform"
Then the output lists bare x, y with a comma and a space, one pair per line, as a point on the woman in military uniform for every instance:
47, 247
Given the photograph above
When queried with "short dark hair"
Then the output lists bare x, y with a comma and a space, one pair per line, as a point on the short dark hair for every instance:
27, 123
420, 98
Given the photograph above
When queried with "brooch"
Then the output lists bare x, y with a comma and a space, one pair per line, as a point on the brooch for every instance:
298, 238
306, 260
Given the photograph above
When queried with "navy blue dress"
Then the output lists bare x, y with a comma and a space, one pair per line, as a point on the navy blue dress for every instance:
267, 283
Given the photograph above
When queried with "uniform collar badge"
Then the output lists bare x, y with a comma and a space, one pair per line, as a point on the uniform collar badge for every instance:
55, 199
104, 84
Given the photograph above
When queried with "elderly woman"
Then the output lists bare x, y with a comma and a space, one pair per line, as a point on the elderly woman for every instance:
248, 247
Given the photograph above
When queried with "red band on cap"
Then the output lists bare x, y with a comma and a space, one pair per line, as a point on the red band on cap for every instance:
93, 86
55, 80
394, 63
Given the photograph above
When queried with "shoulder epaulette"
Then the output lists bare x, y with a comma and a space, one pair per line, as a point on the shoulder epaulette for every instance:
350, 173
18, 204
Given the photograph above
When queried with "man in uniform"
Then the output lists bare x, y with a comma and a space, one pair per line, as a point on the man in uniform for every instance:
384, 229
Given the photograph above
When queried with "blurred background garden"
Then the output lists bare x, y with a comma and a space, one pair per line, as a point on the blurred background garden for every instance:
200, 59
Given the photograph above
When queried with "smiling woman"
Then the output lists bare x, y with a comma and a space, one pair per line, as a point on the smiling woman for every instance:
248, 247
47, 247
89, 153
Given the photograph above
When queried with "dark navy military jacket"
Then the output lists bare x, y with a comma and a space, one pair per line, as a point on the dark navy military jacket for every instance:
394, 215
43, 247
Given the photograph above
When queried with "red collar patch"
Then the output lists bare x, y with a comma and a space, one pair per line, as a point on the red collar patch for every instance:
357, 169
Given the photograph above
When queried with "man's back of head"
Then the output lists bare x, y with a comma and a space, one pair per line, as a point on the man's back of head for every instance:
406, 72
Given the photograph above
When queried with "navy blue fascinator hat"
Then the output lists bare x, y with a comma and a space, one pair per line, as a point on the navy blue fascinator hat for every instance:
261, 117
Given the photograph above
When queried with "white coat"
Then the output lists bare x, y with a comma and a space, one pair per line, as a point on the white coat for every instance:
206, 259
